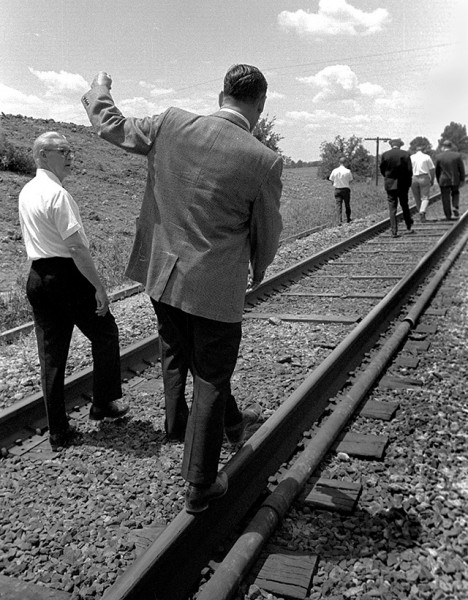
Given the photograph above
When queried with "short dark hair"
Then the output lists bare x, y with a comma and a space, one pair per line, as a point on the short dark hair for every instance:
245, 83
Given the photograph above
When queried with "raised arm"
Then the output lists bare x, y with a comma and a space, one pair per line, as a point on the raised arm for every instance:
131, 134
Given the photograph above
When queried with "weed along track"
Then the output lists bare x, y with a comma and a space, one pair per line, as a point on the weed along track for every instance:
106, 517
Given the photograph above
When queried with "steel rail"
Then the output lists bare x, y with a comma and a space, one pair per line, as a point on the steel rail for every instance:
241, 557
171, 566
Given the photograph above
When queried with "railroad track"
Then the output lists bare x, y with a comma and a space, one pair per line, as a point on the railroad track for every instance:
189, 540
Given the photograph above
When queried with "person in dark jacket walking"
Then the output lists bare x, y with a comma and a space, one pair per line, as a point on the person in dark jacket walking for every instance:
450, 174
396, 168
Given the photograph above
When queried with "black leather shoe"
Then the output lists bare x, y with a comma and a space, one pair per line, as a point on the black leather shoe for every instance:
61, 440
114, 410
235, 433
198, 498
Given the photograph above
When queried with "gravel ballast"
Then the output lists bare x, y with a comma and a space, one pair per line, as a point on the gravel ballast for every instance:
69, 520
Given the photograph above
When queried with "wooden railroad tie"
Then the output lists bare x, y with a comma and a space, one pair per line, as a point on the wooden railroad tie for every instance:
417, 346
311, 318
376, 409
393, 382
286, 574
369, 295
332, 495
362, 445
426, 328
408, 361
436, 312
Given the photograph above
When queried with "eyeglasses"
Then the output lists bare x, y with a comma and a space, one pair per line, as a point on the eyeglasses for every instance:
65, 152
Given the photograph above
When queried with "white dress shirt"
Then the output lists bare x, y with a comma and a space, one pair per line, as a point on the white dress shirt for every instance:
422, 164
341, 177
48, 215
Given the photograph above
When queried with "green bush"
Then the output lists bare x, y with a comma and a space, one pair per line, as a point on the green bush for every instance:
16, 159
358, 158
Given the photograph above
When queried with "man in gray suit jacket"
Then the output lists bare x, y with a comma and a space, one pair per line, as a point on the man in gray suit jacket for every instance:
210, 210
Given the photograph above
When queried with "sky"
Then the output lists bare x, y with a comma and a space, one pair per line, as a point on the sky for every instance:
386, 68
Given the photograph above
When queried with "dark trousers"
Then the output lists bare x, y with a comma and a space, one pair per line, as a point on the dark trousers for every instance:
450, 195
343, 195
209, 350
393, 196
62, 297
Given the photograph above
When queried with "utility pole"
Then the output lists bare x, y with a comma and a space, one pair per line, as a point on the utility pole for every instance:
377, 140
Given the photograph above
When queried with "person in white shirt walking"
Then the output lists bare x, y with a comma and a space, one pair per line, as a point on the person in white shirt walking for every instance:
423, 179
341, 178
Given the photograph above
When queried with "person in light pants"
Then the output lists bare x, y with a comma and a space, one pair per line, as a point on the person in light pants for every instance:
422, 180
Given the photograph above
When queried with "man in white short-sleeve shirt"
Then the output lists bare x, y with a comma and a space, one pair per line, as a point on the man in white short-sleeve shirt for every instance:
64, 289
423, 178
341, 178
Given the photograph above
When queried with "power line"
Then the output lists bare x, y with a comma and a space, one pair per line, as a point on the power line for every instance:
329, 61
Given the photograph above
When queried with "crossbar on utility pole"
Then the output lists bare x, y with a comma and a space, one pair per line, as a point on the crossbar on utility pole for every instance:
377, 140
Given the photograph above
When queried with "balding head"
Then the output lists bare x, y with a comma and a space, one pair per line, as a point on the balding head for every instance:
52, 151
44, 142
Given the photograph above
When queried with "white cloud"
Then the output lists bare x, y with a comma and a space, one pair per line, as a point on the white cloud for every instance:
396, 100
321, 118
142, 107
63, 82
339, 82
371, 89
155, 91
16, 100
334, 17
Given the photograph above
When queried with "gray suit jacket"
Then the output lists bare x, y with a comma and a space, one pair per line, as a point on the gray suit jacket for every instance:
210, 206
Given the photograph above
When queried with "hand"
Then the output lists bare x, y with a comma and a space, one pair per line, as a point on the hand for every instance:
102, 78
102, 302
254, 280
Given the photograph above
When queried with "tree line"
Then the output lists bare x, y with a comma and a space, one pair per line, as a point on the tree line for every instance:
359, 159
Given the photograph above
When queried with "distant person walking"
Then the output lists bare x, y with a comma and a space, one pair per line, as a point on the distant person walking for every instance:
211, 208
65, 290
450, 174
396, 168
341, 178
423, 179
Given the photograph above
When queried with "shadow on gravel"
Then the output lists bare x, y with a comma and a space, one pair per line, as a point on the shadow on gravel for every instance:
363, 535
128, 436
